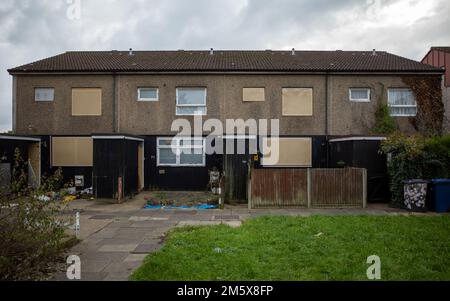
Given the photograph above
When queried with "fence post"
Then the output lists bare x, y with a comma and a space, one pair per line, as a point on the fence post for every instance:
309, 185
364, 178
249, 184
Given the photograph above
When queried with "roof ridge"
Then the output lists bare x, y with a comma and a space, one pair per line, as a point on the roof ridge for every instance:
225, 61
221, 50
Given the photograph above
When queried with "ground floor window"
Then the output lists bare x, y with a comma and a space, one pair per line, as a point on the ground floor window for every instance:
72, 151
287, 152
402, 102
181, 151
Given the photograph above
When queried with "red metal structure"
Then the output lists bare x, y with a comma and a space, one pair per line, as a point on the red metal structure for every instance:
439, 57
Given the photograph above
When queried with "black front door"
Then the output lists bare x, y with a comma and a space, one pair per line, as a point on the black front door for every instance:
236, 168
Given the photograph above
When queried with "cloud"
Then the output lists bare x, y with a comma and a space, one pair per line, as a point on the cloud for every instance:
31, 30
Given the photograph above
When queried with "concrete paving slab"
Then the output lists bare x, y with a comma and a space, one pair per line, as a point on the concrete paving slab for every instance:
131, 232
106, 256
89, 226
151, 224
194, 223
135, 257
122, 267
118, 248
105, 233
93, 265
156, 240
96, 276
120, 223
117, 277
120, 241
147, 218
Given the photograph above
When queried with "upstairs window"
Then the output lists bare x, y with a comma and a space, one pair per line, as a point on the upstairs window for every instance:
297, 101
86, 102
191, 101
402, 102
44, 94
359, 94
148, 94
253, 94
181, 152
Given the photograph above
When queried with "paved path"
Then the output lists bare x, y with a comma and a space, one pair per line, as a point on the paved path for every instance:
116, 238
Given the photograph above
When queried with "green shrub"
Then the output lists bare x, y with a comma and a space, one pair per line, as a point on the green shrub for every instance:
32, 231
415, 157
384, 122
19, 180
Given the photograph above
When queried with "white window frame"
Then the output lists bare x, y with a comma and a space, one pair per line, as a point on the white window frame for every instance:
44, 88
359, 99
179, 147
148, 99
191, 105
402, 106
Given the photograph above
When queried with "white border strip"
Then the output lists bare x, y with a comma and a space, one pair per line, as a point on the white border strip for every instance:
6, 137
358, 139
238, 137
118, 137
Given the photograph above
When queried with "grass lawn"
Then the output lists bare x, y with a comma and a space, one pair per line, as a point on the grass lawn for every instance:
305, 248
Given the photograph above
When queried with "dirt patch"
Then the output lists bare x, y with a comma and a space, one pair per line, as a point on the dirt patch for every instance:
181, 198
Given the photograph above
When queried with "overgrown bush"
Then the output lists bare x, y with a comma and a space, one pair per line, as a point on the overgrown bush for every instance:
31, 230
384, 122
415, 157
19, 184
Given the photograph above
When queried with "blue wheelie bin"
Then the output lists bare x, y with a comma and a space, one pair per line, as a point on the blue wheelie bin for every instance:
440, 191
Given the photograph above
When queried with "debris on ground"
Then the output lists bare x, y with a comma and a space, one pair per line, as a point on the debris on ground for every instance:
198, 206
182, 200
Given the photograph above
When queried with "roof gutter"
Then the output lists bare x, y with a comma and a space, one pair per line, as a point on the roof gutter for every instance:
433, 72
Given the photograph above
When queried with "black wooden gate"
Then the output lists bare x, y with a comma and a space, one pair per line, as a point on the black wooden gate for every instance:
114, 159
236, 169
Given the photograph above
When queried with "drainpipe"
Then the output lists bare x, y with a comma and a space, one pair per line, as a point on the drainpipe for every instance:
114, 107
14, 104
327, 99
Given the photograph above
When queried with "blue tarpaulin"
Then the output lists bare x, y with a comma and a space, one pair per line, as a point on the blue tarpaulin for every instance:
200, 207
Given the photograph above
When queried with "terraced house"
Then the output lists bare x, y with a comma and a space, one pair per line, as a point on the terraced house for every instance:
107, 116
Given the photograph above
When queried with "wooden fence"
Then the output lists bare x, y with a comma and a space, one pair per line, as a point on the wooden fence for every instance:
308, 188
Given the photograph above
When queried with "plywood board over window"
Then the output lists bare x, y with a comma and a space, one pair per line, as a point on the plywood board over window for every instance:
34, 157
86, 102
72, 151
297, 101
291, 152
253, 94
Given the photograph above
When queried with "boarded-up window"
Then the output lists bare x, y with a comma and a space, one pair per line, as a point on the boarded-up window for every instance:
288, 152
86, 102
72, 151
253, 94
297, 102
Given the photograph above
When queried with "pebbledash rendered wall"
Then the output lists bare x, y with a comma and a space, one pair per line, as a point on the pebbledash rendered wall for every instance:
224, 101
55, 117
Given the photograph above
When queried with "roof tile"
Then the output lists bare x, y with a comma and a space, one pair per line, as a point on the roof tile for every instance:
225, 61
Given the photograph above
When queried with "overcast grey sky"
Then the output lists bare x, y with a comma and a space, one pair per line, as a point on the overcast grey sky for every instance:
35, 29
